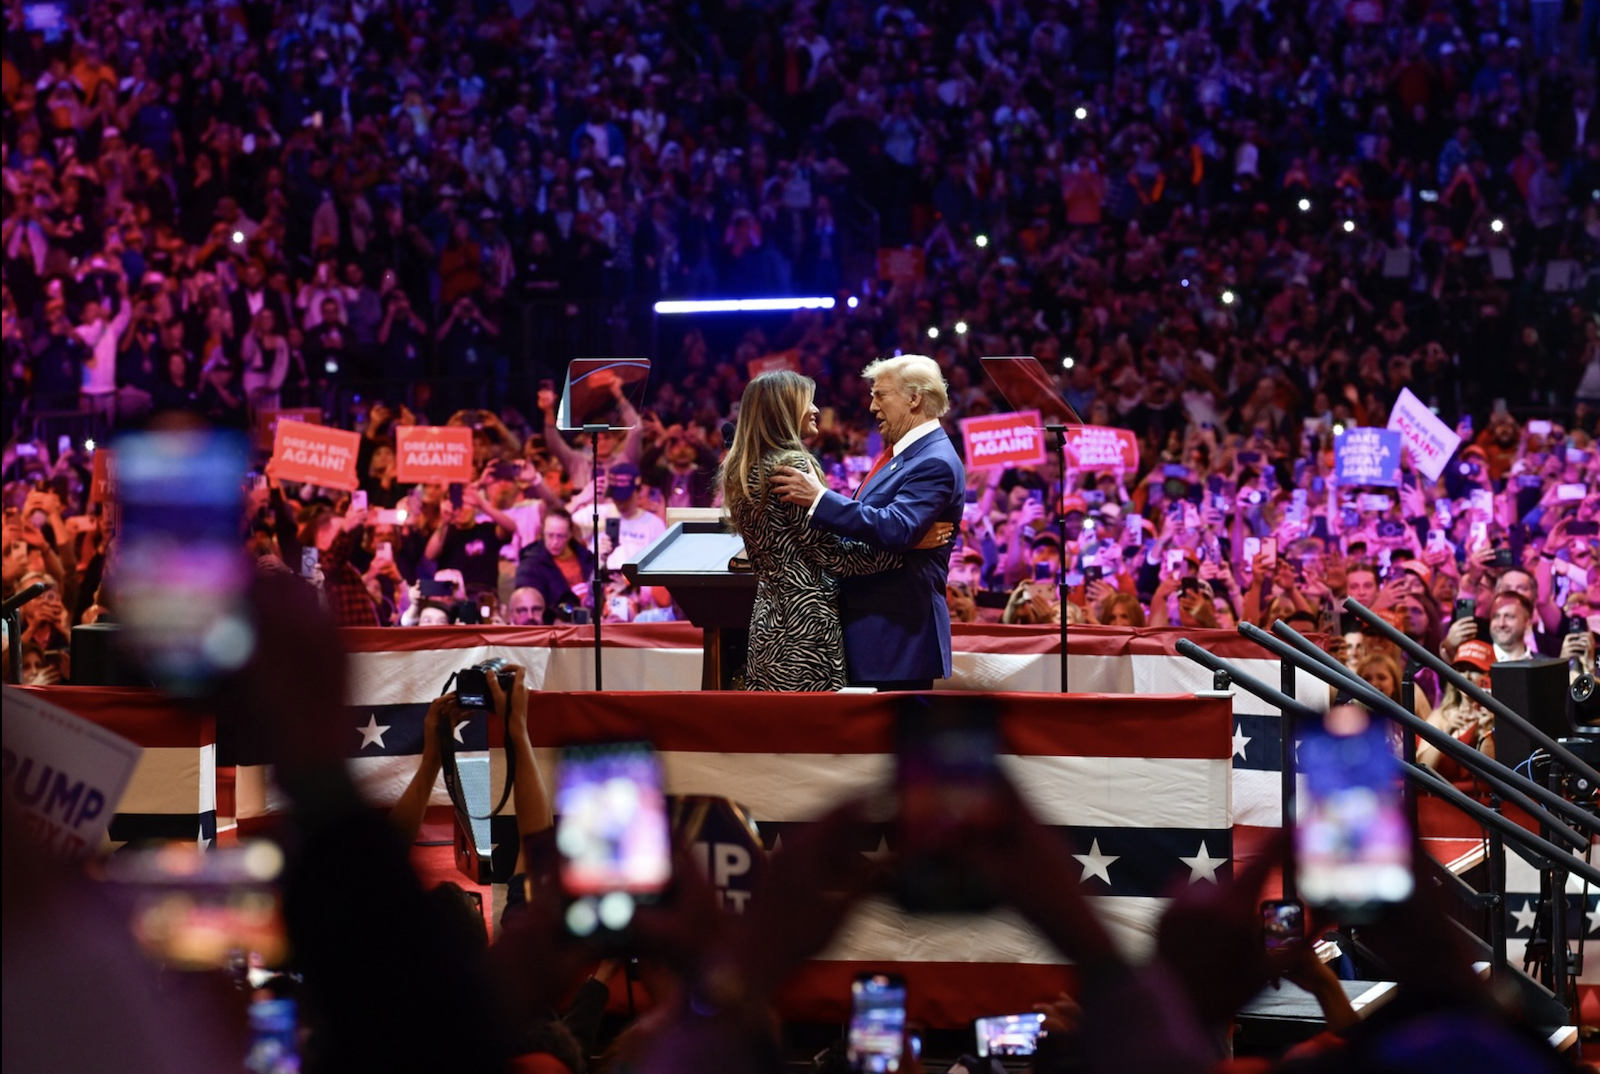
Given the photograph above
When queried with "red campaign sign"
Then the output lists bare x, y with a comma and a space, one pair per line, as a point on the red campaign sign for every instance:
771, 363
1099, 447
429, 453
314, 454
267, 421
100, 477
1003, 440
907, 264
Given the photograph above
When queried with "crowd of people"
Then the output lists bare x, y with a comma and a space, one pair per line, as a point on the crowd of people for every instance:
1235, 229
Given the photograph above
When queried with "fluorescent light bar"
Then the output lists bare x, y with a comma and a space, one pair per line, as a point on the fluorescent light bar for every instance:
743, 305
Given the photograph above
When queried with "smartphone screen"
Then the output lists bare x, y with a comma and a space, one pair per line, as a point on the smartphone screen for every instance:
1044, 572
1353, 844
358, 500
1283, 923
274, 1037
1482, 501
612, 833
1539, 428
1252, 549
1008, 1034
1571, 492
183, 576
877, 1023
947, 781
1269, 548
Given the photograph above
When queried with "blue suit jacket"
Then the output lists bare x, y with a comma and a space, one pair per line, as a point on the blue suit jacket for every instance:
896, 623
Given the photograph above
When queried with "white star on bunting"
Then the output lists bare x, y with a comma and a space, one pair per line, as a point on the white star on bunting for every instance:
881, 854
1525, 916
373, 732
1594, 918
1240, 740
1202, 866
1095, 863
457, 731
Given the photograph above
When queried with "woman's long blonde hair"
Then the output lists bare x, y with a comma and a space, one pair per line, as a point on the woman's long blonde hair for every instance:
771, 422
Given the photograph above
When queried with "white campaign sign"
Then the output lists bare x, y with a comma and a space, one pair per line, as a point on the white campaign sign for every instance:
64, 773
1430, 441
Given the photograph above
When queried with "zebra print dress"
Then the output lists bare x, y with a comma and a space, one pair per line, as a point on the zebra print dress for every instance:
796, 639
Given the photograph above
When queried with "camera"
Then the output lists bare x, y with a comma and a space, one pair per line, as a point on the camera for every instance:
569, 612
472, 684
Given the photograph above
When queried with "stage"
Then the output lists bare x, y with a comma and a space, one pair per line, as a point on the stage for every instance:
1157, 788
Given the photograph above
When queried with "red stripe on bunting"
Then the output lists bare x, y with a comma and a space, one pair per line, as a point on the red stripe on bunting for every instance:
145, 717
939, 995
1047, 725
965, 637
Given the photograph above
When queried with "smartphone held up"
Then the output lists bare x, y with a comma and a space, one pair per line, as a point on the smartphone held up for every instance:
613, 835
183, 576
1353, 844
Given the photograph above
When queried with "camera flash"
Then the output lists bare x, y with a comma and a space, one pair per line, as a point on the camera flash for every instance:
331, 366
88, 445
400, 513
981, 241
961, 328
852, 302
1227, 298
1349, 226
238, 237
1305, 205
933, 333
1081, 113
1497, 226
1068, 362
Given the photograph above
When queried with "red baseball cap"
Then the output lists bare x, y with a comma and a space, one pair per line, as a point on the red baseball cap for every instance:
1476, 653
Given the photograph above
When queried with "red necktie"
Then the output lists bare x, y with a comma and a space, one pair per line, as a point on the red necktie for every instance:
888, 453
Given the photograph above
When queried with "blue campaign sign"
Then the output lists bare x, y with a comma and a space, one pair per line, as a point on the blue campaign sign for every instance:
1367, 457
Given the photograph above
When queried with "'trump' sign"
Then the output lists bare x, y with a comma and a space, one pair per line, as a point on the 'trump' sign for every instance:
1003, 440
1367, 457
64, 774
1430, 441
425, 453
315, 454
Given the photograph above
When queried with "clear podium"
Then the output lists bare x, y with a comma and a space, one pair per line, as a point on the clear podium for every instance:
691, 560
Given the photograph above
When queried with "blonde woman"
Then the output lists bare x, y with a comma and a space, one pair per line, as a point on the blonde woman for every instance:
796, 640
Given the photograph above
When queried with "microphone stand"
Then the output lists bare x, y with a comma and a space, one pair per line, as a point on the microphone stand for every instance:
1060, 433
11, 614
601, 574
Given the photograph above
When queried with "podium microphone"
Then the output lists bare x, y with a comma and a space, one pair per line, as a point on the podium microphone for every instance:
34, 590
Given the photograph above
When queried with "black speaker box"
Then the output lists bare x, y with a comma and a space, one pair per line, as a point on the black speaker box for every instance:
98, 659
1536, 690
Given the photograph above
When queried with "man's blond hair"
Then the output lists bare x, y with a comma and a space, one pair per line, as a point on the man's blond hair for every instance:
916, 374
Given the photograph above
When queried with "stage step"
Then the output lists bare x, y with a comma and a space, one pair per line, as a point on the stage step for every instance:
1281, 1017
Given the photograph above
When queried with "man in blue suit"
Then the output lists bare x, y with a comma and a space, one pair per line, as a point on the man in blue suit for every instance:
896, 623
